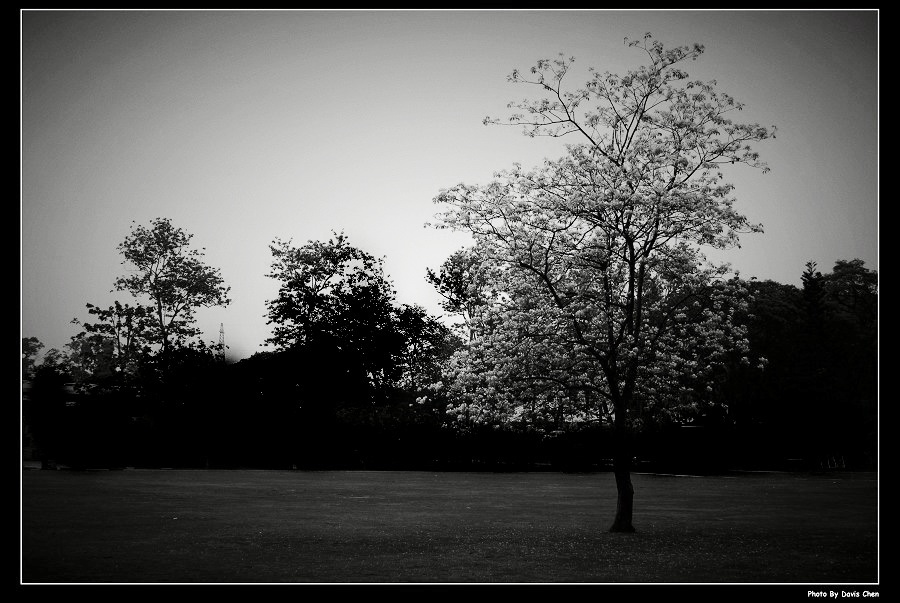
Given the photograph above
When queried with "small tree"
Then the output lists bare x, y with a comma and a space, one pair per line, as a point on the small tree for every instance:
837, 369
174, 278
333, 293
603, 292
44, 403
116, 344
360, 365
464, 286
334, 317
428, 343
31, 346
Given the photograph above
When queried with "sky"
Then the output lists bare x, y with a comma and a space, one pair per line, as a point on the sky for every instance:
243, 127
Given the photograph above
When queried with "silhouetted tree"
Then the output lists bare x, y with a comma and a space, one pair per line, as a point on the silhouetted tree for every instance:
355, 367
31, 347
816, 400
118, 342
838, 364
174, 278
45, 407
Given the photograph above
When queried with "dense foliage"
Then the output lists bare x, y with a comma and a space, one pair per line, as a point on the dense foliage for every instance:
814, 406
351, 381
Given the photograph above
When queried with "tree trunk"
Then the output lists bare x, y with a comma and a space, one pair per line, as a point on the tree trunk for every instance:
625, 497
622, 470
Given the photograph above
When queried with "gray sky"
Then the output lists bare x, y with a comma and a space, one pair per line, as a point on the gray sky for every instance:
245, 126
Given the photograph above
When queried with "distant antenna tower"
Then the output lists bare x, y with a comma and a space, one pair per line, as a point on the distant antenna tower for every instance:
221, 341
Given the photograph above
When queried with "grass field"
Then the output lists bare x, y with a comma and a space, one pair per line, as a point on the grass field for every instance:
165, 526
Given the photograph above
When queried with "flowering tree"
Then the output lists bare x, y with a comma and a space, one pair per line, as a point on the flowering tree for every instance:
604, 305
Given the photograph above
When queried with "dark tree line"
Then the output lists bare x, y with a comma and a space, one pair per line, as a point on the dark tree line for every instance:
817, 400
350, 382
354, 382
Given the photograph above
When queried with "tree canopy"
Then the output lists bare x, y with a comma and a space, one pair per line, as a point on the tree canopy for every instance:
603, 292
165, 269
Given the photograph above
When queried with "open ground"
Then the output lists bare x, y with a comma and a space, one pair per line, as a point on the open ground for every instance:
351, 527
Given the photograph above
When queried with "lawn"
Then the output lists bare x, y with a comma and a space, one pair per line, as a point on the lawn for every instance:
173, 526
